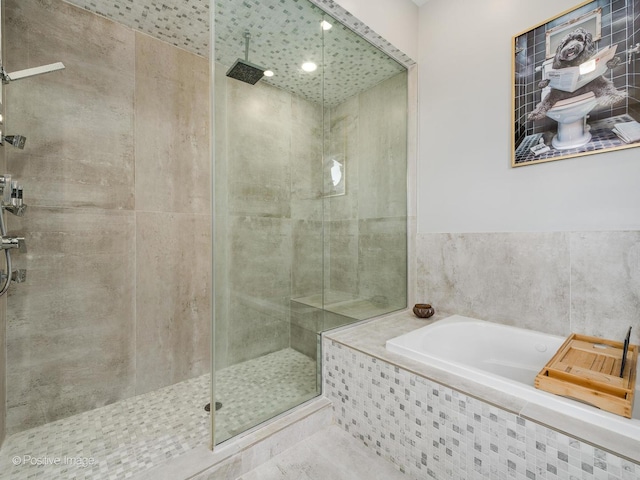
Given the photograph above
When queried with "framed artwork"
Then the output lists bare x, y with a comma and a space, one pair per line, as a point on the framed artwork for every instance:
575, 83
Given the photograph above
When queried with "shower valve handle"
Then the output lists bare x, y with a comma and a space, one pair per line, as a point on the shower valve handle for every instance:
13, 242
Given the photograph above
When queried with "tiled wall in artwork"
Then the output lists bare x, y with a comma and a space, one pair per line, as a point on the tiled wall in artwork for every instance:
617, 29
432, 431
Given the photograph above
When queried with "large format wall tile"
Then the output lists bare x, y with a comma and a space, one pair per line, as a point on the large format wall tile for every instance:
519, 279
70, 333
259, 295
3, 367
306, 262
341, 131
220, 244
382, 149
259, 148
173, 306
172, 128
341, 256
382, 261
3, 336
79, 121
605, 283
306, 151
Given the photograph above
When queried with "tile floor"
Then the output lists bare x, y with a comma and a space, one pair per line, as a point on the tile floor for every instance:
256, 390
329, 454
130, 436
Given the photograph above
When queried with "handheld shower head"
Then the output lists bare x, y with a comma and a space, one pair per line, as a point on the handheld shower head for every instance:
17, 141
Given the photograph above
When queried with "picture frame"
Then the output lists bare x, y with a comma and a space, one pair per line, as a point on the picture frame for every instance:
575, 78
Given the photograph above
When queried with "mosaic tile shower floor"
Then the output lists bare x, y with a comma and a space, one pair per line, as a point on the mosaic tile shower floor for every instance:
602, 137
130, 436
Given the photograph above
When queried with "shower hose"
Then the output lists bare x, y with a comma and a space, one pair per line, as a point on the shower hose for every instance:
7, 254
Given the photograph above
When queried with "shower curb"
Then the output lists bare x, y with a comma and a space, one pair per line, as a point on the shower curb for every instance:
238, 456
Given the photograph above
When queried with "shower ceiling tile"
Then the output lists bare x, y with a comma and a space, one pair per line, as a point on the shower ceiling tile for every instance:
183, 23
284, 33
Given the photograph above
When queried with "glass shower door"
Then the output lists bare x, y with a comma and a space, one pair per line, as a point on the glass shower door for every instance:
310, 193
365, 180
268, 245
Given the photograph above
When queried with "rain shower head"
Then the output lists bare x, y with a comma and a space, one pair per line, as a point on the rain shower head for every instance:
244, 70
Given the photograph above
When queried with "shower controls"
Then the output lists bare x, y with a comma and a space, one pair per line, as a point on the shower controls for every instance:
17, 141
19, 275
16, 204
5, 188
12, 242
11, 196
11, 193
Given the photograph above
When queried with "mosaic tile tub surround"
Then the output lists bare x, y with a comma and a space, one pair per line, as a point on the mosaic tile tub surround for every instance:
429, 430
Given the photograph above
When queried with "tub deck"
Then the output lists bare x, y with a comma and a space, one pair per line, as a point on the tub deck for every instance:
606, 430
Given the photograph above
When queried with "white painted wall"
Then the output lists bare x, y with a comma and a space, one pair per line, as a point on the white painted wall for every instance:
394, 20
465, 181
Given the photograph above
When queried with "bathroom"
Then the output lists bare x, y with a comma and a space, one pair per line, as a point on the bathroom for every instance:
550, 247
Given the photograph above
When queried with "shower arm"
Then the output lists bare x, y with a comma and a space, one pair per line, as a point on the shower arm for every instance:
29, 72
247, 36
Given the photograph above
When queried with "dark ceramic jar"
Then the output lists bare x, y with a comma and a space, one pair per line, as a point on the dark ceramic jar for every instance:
423, 310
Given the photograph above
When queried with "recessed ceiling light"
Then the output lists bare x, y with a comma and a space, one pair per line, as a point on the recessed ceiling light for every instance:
268, 73
325, 25
309, 67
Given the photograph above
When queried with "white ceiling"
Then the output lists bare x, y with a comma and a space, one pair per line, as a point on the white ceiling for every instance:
420, 2
284, 34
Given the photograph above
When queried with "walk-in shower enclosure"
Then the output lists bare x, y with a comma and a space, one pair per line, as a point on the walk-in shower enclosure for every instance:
310, 200
160, 230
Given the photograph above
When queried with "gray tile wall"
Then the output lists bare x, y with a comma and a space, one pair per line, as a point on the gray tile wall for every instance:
268, 144
365, 229
173, 221
116, 176
429, 430
269, 177
563, 282
367, 226
3, 371
3, 321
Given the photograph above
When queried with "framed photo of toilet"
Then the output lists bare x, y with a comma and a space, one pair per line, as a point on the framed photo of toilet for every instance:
574, 83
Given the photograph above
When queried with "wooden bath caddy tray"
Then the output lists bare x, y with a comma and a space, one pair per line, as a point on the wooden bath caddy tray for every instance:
588, 369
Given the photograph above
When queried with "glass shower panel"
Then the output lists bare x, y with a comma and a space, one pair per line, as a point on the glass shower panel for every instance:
365, 178
268, 245
310, 199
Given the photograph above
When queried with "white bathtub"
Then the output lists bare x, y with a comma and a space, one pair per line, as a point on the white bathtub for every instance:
506, 359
